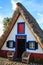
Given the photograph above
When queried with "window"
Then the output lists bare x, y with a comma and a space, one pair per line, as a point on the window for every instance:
10, 44
21, 28
32, 45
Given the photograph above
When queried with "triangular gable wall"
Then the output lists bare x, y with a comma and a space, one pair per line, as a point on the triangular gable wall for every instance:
13, 33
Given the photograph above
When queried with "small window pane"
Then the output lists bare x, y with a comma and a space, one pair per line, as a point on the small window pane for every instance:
31, 45
11, 44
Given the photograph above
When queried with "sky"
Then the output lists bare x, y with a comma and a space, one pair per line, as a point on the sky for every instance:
35, 7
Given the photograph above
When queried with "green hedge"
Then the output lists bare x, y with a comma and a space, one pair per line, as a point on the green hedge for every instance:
39, 60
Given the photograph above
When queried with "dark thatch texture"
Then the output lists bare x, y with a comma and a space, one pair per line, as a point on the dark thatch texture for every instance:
31, 22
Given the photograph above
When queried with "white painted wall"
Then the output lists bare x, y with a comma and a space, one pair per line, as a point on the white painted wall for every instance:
30, 37
39, 50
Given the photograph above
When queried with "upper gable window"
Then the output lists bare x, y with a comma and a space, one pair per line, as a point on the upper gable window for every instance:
21, 28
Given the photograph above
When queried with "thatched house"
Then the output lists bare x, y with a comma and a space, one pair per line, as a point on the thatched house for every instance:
22, 34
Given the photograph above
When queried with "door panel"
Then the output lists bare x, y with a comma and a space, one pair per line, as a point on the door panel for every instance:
20, 47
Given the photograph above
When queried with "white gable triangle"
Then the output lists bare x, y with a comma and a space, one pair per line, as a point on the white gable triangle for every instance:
13, 33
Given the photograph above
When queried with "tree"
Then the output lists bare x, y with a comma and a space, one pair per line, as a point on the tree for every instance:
5, 22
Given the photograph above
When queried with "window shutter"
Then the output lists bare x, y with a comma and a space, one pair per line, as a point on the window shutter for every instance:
36, 45
13, 44
7, 43
27, 45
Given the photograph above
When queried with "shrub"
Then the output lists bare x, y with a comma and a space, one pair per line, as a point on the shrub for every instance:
39, 60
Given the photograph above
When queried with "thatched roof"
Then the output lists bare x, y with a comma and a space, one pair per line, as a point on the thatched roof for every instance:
31, 22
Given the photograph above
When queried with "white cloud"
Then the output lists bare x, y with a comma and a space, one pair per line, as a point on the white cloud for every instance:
1, 25
39, 14
40, 18
34, 6
1, 29
0, 7
13, 4
1, 18
30, 4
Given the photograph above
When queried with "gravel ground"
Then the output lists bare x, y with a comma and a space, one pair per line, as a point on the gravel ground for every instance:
4, 61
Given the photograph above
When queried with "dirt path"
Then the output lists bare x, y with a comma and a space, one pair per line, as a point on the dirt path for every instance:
4, 61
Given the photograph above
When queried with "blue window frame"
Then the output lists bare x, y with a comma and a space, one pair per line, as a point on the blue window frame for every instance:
11, 44
32, 45
21, 27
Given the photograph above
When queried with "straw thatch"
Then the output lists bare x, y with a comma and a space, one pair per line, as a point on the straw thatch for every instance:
31, 22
